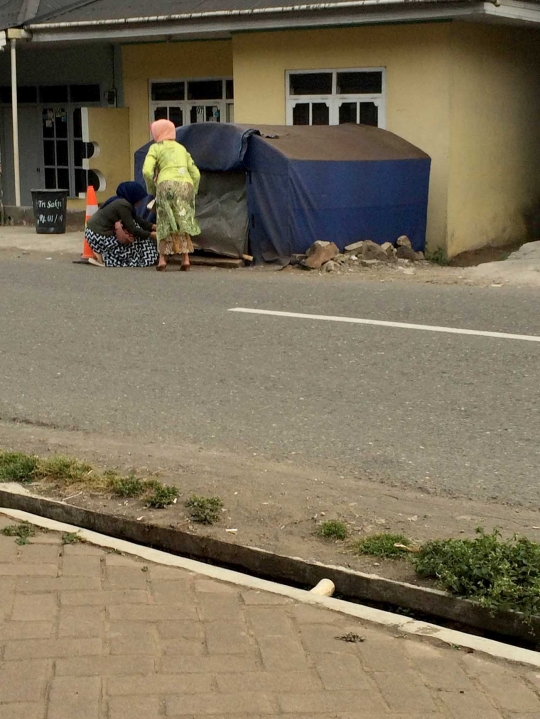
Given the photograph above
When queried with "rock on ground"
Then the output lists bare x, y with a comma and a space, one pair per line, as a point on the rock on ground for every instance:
319, 253
404, 252
403, 241
373, 251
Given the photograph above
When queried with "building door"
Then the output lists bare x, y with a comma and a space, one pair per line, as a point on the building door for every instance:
30, 148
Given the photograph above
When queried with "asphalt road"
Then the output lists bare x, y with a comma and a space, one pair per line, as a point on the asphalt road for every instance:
134, 352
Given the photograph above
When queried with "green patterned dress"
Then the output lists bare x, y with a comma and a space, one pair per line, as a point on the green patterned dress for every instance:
172, 176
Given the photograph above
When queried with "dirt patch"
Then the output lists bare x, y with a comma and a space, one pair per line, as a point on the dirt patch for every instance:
276, 507
422, 272
472, 258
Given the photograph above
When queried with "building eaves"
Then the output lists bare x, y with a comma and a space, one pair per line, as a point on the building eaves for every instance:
87, 12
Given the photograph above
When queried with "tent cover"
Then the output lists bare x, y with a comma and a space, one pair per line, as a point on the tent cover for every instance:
283, 188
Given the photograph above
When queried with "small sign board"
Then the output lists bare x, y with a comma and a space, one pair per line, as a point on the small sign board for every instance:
50, 211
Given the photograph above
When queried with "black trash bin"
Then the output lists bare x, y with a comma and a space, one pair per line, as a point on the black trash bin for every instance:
50, 211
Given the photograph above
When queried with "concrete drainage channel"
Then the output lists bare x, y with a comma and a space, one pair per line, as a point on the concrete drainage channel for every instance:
366, 592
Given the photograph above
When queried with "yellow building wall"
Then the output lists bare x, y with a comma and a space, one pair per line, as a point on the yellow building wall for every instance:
108, 129
417, 62
166, 61
494, 186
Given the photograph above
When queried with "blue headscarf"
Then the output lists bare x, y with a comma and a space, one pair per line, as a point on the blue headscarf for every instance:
130, 191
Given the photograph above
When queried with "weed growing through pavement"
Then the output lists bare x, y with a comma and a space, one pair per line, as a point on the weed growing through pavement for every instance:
438, 257
383, 545
204, 510
333, 529
72, 538
22, 532
351, 638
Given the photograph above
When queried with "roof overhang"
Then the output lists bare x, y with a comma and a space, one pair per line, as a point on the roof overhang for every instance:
223, 24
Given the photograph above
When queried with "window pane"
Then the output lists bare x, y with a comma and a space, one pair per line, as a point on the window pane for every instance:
63, 179
359, 83
205, 90
177, 116
212, 114
230, 112
320, 114
160, 113
369, 114
311, 83
48, 122
348, 113
198, 114
85, 93
27, 94
50, 178
62, 153
61, 126
301, 114
230, 90
168, 91
53, 93
5, 95
49, 154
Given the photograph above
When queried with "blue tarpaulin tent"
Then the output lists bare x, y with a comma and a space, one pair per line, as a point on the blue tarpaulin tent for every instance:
305, 183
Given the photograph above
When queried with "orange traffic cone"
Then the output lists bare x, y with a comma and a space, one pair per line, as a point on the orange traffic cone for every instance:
91, 209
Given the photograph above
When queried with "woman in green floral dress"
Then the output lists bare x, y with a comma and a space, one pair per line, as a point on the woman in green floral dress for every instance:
172, 176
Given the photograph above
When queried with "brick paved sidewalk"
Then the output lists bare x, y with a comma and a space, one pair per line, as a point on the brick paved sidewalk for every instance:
87, 634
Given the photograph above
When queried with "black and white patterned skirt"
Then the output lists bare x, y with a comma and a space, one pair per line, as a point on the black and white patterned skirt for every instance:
142, 252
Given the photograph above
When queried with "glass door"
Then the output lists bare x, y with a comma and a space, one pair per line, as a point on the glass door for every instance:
55, 130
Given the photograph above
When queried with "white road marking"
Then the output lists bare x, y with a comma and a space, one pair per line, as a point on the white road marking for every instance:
383, 323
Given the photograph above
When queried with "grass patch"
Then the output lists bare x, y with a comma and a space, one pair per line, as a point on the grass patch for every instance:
383, 545
17, 467
497, 574
160, 495
154, 493
63, 470
68, 474
72, 538
333, 529
130, 486
204, 510
22, 532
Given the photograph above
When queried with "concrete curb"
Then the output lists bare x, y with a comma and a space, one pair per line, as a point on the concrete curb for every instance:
373, 616
355, 586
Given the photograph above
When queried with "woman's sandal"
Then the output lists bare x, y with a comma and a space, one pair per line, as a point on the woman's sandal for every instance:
185, 268
161, 268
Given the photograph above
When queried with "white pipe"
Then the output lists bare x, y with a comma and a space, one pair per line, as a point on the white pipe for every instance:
225, 13
15, 121
325, 588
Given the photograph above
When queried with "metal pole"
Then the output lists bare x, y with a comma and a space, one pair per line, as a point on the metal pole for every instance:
15, 120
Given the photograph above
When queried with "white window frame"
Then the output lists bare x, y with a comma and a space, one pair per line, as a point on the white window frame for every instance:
226, 106
335, 100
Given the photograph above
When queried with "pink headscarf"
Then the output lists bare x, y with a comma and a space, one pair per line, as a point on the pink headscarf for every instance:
163, 130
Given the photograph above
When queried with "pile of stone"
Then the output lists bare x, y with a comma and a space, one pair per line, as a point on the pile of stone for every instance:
325, 256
